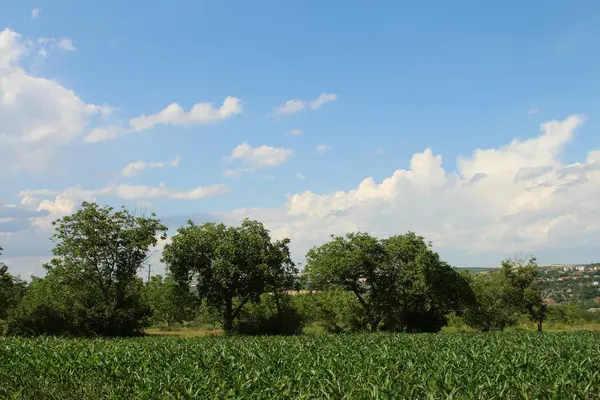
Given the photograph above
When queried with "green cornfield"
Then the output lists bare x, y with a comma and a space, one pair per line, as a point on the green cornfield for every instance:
369, 366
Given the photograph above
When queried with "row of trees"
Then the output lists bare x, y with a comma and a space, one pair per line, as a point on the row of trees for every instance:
246, 280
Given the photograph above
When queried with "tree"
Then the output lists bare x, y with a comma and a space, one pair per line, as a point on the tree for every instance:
493, 308
169, 302
504, 293
400, 282
354, 263
421, 288
523, 295
92, 278
231, 265
12, 289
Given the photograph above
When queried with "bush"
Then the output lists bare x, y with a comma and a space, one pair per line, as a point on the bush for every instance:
263, 318
51, 308
335, 310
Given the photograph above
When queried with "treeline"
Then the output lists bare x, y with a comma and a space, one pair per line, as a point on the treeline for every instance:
247, 282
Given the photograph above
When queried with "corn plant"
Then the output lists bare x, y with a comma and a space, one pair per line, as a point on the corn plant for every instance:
365, 366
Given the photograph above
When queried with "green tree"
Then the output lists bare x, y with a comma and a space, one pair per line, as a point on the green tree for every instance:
523, 295
400, 282
354, 263
493, 307
92, 278
231, 265
503, 294
420, 288
170, 303
12, 289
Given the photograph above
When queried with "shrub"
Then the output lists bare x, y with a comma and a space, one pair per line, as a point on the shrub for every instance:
264, 318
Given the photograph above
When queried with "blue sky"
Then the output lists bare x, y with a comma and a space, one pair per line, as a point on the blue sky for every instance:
400, 78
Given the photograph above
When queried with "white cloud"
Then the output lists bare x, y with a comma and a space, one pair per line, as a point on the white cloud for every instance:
322, 148
322, 99
300, 176
136, 167
65, 202
296, 105
480, 212
35, 13
38, 116
134, 192
174, 115
378, 151
290, 107
295, 132
255, 158
532, 111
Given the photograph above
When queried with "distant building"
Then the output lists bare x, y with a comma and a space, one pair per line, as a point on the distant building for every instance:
581, 268
596, 283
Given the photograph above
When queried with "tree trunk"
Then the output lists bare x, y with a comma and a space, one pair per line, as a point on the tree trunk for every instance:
539, 326
374, 325
228, 316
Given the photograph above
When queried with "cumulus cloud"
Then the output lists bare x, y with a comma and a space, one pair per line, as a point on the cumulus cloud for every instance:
296, 105
300, 176
134, 168
255, 158
35, 13
322, 148
38, 116
174, 115
519, 198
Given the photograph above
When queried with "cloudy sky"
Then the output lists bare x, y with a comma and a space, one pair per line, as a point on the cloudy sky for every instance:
477, 126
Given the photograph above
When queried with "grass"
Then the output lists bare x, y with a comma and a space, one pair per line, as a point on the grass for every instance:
429, 366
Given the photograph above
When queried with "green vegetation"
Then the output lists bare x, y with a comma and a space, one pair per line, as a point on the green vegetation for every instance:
231, 265
91, 285
459, 366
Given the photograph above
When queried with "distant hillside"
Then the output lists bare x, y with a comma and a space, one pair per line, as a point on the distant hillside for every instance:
477, 270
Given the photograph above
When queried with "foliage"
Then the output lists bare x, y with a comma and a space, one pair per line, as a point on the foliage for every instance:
266, 317
493, 308
400, 282
420, 286
501, 295
12, 289
354, 263
228, 264
335, 310
458, 366
571, 314
169, 302
91, 286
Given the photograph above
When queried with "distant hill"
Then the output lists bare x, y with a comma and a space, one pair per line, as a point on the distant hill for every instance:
477, 270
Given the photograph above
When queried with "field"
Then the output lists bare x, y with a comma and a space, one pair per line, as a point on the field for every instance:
428, 366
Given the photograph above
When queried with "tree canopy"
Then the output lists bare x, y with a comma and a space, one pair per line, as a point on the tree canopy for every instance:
12, 290
400, 282
230, 265
501, 295
93, 275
